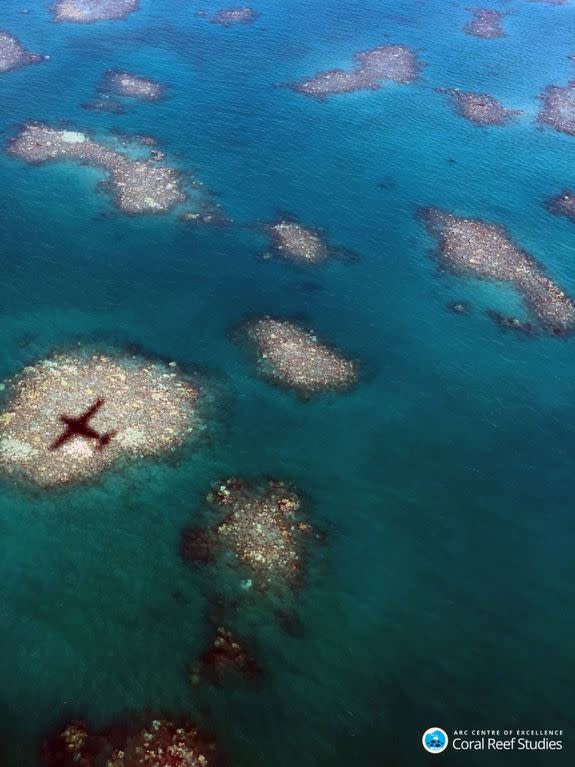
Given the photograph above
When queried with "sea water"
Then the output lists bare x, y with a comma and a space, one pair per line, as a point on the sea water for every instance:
443, 594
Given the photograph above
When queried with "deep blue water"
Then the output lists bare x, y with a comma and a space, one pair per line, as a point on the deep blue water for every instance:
444, 593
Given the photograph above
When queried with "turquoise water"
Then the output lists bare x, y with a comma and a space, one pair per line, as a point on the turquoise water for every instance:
444, 593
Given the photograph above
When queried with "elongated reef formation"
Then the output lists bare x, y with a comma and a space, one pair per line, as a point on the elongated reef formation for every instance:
474, 248
136, 185
389, 63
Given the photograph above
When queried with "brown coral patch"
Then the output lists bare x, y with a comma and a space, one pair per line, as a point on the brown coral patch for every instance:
292, 356
479, 108
137, 186
388, 63
263, 533
559, 108
229, 17
155, 743
89, 11
474, 248
486, 23
13, 55
119, 82
225, 657
72, 416
562, 204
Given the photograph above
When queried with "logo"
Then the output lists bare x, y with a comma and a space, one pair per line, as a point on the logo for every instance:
435, 740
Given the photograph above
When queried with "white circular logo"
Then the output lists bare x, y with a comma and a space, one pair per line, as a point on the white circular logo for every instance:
435, 740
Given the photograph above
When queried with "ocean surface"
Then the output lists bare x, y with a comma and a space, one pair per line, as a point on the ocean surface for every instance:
444, 592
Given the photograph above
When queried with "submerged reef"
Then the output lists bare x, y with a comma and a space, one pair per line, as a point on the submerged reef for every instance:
559, 107
226, 657
165, 744
506, 322
563, 204
13, 55
292, 356
227, 17
486, 23
156, 743
104, 104
72, 745
70, 417
459, 307
479, 108
137, 186
118, 82
263, 533
471, 247
88, 11
301, 244
389, 63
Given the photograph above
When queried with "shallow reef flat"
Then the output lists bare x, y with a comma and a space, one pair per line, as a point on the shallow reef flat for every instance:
228, 17
89, 11
486, 23
294, 357
474, 248
13, 55
388, 63
137, 186
559, 107
563, 204
119, 82
301, 244
123, 407
154, 743
263, 531
479, 108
